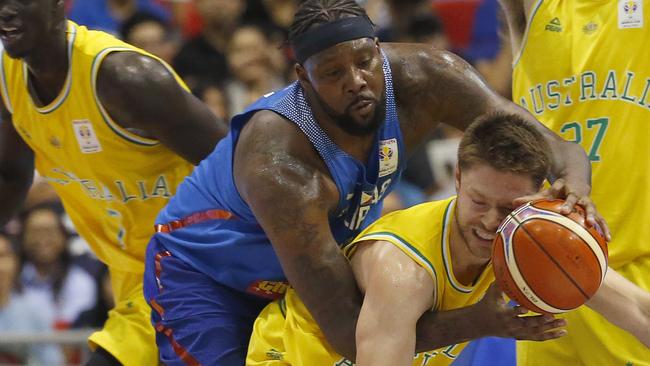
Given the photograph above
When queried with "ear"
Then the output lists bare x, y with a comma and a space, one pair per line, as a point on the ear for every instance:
303, 77
457, 178
377, 44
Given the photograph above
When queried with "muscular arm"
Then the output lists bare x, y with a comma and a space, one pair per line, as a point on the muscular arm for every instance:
434, 86
397, 292
16, 167
624, 304
290, 192
141, 94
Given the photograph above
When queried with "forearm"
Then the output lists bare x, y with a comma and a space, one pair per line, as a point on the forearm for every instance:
330, 292
568, 159
624, 304
441, 329
385, 334
385, 347
570, 162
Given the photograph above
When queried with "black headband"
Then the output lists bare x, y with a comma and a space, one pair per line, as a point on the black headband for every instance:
329, 34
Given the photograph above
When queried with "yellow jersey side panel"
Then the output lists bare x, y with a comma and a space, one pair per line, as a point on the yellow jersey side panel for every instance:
112, 182
285, 332
583, 72
588, 80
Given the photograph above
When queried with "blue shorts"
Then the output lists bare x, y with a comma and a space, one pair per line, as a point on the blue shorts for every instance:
197, 320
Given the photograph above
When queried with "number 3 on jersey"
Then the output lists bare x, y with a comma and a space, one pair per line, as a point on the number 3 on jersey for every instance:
594, 126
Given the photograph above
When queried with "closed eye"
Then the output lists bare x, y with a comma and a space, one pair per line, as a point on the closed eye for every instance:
478, 203
365, 63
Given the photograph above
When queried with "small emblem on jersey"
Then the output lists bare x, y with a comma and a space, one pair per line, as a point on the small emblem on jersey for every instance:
554, 25
590, 28
388, 157
274, 354
86, 137
54, 141
630, 14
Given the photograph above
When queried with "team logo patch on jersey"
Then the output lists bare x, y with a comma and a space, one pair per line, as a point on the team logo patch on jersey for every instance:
388, 157
86, 137
630, 14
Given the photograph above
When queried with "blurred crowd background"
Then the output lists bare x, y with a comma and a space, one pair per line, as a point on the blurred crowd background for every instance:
229, 52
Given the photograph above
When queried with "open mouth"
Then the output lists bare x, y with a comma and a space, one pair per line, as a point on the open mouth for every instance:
484, 236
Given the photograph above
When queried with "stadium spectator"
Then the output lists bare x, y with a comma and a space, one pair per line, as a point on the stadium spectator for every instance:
20, 314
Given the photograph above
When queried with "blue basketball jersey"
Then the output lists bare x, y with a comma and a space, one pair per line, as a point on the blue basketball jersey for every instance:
236, 252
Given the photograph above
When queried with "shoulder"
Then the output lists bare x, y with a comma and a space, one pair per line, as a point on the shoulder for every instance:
132, 67
415, 63
272, 134
274, 158
412, 226
378, 262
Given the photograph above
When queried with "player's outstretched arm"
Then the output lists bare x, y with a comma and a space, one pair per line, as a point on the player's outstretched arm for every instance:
141, 94
397, 292
449, 90
279, 174
16, 167
624, 304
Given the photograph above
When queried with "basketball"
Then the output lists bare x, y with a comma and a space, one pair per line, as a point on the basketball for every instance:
546, 261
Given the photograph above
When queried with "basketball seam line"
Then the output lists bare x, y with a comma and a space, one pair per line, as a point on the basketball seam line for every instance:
571, 279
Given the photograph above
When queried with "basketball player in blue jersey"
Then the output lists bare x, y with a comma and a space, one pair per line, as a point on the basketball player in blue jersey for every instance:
302, 171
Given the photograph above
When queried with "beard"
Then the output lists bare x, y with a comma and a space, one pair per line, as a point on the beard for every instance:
346, 121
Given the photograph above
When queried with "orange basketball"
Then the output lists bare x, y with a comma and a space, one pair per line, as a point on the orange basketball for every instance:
548, 262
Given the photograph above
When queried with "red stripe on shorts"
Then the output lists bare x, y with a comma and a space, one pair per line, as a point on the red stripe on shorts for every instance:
180, 351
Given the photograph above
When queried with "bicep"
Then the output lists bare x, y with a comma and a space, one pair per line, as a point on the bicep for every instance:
397, 292
449, 90
164, 109
289, 197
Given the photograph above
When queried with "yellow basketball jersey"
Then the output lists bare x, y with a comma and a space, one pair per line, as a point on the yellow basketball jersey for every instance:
422, 233
583, 71
111, 181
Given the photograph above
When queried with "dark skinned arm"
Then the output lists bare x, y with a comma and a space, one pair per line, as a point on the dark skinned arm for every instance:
142, 95
287, 186
16, 168
440, 87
